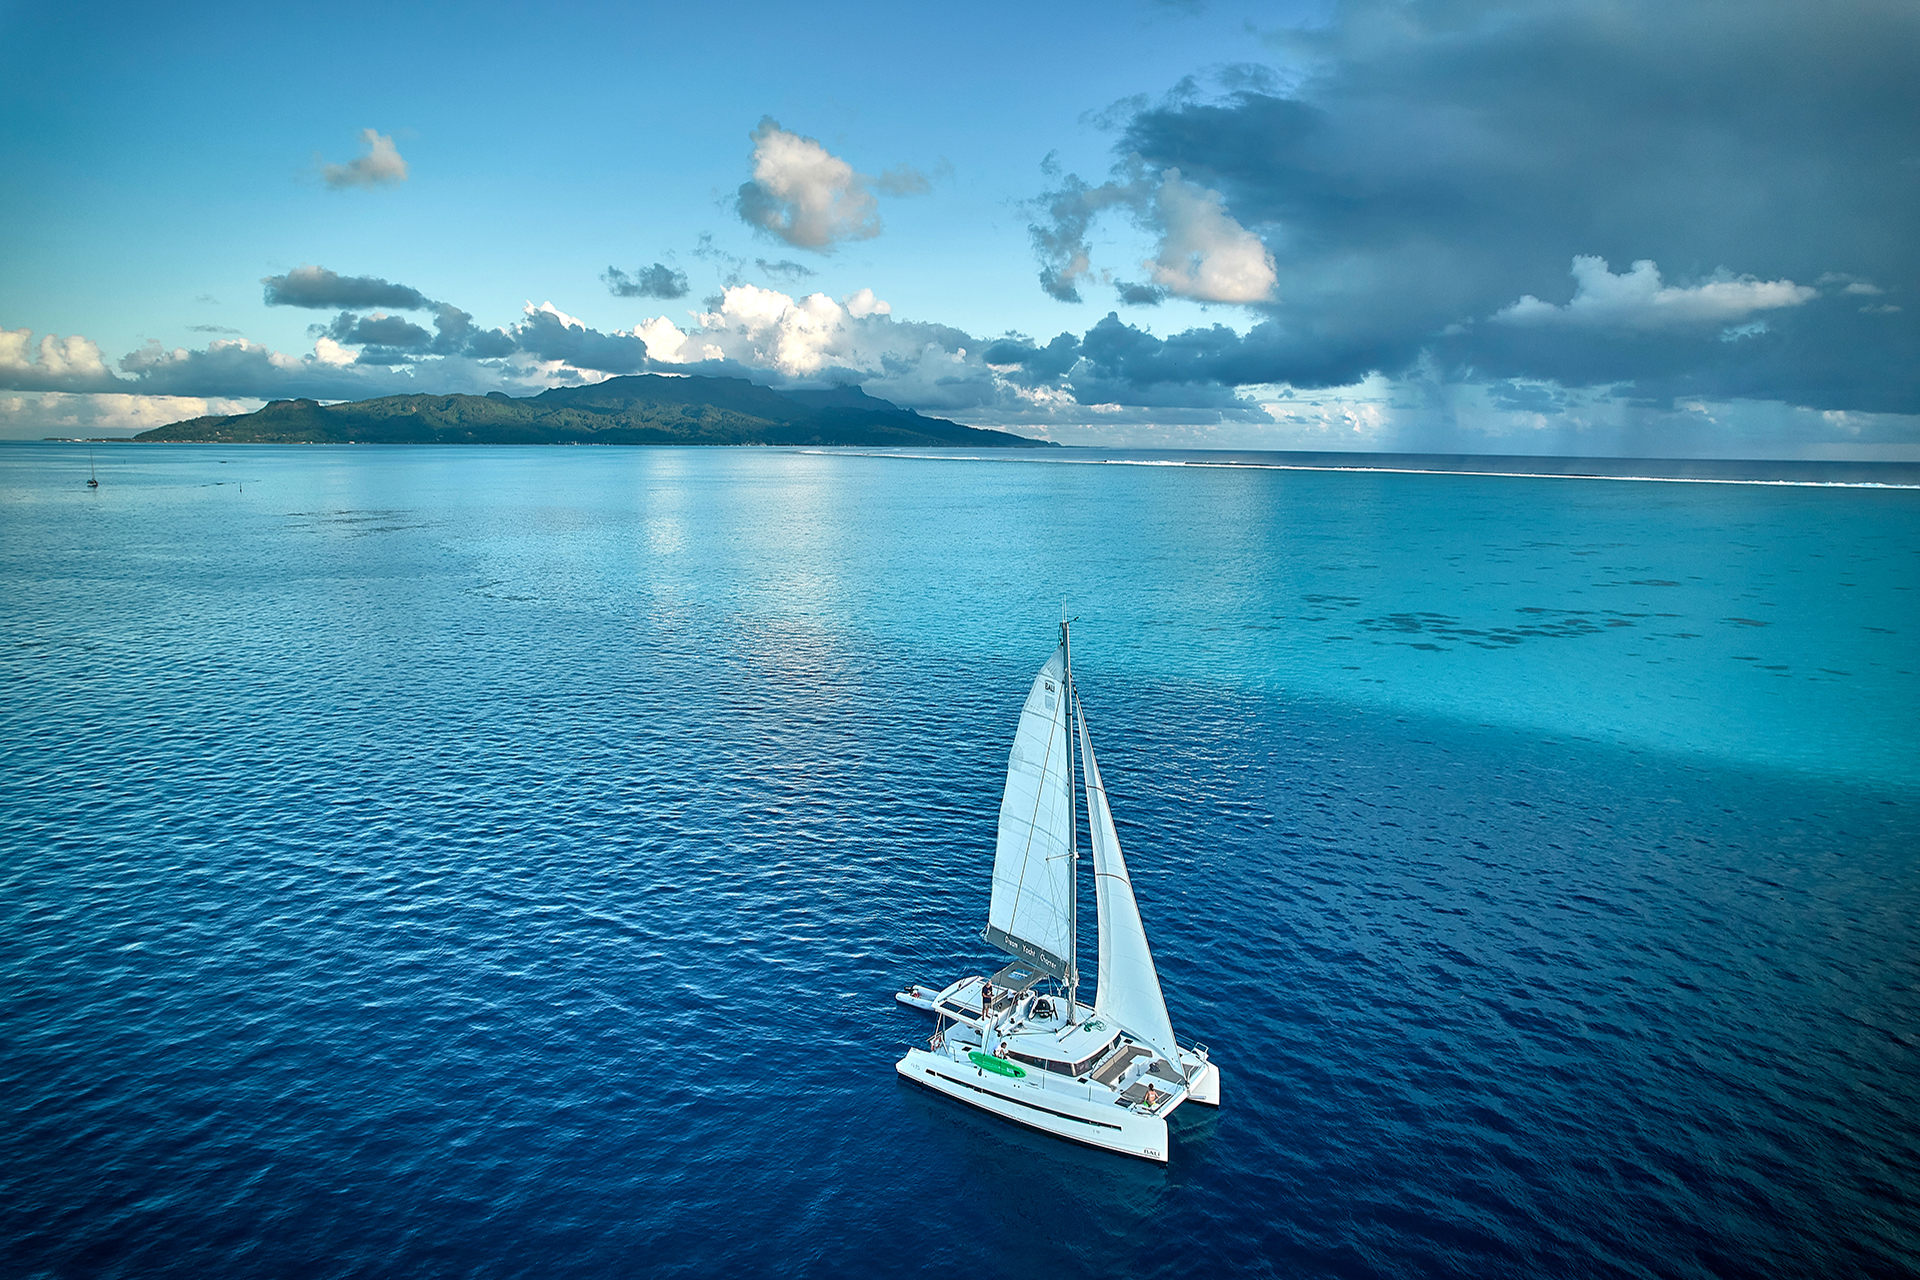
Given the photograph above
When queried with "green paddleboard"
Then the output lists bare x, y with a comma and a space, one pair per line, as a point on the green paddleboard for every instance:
999, 1066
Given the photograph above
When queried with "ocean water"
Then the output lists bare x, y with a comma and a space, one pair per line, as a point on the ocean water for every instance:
498, 862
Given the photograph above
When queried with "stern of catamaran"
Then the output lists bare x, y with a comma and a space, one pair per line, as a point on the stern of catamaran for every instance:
1203, 1076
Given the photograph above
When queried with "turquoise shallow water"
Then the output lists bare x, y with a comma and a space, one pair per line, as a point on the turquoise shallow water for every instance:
497, 862
1756, 623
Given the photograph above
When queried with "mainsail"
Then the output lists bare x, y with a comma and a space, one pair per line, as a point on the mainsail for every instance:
1129, 991
1031, 912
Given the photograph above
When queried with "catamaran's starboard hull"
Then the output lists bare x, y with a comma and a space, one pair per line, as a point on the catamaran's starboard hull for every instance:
1203, 1087
1096, 1124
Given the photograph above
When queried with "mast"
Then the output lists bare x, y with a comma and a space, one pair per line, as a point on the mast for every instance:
1073, 833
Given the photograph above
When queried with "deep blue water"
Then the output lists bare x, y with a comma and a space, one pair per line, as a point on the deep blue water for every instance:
497, 862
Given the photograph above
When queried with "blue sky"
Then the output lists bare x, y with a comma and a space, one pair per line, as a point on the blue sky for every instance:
1575, 227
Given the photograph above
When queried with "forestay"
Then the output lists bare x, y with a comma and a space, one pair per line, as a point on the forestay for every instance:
1129, 990
1030, 915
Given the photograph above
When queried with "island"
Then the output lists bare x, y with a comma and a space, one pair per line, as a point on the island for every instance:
639, 409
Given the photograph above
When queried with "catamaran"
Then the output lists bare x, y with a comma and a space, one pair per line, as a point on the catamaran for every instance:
1019, 1043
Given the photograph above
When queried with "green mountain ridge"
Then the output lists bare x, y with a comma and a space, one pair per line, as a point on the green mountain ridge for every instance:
638, 409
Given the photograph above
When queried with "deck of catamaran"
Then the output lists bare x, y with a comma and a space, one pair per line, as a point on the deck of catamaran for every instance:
1079, 1076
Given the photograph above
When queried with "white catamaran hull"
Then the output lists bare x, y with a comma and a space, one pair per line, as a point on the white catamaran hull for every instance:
1097, 1123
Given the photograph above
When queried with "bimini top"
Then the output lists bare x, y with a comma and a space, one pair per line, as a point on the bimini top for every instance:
1017, 977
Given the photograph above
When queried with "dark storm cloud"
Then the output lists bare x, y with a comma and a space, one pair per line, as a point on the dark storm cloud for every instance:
379, 331
1030, 365
545, 336
454, 332
1118, 363
1528, 397
1136, 294
323, 290
1436, 163
656, 281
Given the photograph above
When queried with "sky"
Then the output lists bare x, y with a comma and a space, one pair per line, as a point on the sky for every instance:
1587, 227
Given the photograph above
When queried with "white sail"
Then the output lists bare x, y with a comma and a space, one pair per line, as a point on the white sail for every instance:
1031, 913
1129, 990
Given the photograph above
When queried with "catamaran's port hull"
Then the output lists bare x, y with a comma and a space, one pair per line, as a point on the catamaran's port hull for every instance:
1096, 1124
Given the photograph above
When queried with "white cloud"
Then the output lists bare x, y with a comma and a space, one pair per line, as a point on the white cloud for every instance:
767, 329
1639, 300
152, 358
547, 308
381, 166
55, 364
861, 303
665, 341
1204, 253
32, 417
547, 348
771, 336
809, 197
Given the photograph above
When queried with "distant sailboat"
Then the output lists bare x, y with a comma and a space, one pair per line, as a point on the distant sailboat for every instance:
1019, 1043
93, 481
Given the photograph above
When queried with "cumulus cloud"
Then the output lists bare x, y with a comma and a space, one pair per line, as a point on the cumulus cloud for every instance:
1116, 363
382, 338
770, 331
354, 356
545, 348
776, 338
1639, 300
656, 281
323, 290
753, 332
551, 336
381, 166
28, 417
1135, 294
1069, 211
1118, 374
1204, 254
811, 198
54, 364
379, 330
